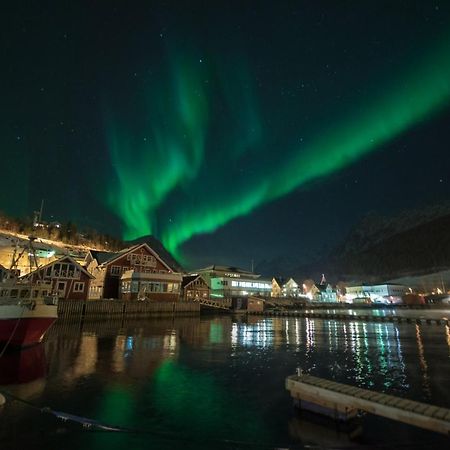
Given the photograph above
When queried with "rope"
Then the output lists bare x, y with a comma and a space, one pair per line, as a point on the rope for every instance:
96, 425
12, 334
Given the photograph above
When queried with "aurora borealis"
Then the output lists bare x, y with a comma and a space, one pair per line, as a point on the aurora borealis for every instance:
178, 136
229, 132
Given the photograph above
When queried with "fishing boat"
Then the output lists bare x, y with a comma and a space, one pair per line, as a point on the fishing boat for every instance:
27, 308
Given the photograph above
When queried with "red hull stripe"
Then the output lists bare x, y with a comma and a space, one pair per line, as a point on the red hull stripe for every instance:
29, 330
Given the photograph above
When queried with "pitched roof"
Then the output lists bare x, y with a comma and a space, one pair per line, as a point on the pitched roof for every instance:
101, 257
65, 257
280, 280
136, 247
159, 248
187, 279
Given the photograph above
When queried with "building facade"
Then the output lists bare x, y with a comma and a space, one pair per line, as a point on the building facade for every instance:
227, 282
69, 279
109, 268
194, 287
153, 286
384, 293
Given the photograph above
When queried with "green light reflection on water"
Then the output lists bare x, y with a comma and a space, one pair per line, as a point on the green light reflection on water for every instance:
195, 405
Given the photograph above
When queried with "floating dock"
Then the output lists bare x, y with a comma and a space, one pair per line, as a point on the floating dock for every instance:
342, 402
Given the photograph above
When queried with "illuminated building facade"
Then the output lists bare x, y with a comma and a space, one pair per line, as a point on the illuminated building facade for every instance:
378, 292
234, 282
284, 287
116, 274
194, 287
69, 279
150, 286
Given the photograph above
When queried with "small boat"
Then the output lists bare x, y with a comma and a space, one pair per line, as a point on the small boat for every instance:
27, 309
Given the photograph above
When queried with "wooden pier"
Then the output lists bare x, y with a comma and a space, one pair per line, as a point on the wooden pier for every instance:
219, 304
345, 400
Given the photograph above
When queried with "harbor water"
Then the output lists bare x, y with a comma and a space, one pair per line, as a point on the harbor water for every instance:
215, 382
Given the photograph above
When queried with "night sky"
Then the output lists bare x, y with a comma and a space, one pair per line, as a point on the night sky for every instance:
232, 131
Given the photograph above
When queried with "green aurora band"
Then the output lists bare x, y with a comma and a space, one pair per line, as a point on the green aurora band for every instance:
173, 187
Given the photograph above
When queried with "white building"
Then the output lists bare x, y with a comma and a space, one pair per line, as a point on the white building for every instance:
233, 282
379, 293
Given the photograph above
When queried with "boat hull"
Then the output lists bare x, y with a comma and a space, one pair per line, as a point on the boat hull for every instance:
27, 332
22, 326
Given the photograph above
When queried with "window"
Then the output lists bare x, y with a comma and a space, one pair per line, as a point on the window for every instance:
24, 293
61, 286
116, 270
78, 287
14, 293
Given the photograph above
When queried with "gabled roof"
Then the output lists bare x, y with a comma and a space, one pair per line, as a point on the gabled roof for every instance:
280, 281
132, 249
102, 257
63, 258
188, 279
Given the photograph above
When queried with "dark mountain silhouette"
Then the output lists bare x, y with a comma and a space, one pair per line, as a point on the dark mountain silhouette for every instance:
380, 248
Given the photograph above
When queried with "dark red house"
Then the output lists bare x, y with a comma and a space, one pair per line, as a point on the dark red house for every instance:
69, 279
133, 272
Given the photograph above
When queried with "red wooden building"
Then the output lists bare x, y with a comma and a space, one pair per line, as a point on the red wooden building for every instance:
68, 278
136, 272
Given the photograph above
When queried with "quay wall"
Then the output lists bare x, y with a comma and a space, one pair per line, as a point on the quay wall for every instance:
438, 319
117, 309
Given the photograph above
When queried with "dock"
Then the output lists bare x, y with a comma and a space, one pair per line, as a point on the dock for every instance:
344, 401
222, 304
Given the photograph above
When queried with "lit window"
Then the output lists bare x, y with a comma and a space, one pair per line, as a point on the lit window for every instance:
115, 270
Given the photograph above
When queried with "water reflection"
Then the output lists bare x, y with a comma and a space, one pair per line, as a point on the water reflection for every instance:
22, 372
423, 362
223, 377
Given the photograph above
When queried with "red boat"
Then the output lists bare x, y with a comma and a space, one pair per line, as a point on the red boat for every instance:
27, 311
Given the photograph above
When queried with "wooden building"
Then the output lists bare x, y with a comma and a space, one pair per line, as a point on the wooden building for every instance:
194, 287
277, 287
160, 287
109, 270
247, 304
69, 279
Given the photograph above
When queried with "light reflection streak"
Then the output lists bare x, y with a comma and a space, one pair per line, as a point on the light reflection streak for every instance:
286, 322
170, 343
423, 362
310, 330
366, 350
86, 360
297, 332
400, 358
447, 334
258, 335
118, 363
